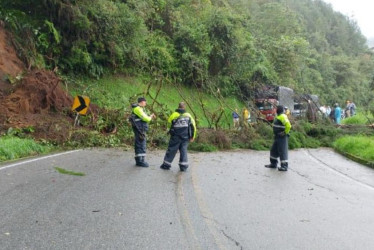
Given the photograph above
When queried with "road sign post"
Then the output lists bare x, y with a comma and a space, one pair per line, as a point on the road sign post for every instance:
80, 106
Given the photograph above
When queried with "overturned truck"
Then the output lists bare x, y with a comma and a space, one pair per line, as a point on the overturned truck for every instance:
268, 97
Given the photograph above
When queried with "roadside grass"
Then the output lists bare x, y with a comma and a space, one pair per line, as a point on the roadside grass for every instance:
358, 146
118, 92
359, 119
14, 148
69, 172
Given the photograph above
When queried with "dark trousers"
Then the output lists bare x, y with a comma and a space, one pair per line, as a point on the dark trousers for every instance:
177, 143
279, 150
140, 144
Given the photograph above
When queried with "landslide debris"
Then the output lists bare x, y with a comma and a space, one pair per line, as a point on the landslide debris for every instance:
32, 99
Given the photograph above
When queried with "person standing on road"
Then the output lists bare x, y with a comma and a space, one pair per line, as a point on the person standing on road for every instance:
337, 113
323, 110
246, 117
235, 118
182, 130
332, 114
139, 121
346, 110
352, 108
281, 130
287, 112
328, 111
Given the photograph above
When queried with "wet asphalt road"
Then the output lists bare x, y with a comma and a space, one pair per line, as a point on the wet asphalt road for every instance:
226, 200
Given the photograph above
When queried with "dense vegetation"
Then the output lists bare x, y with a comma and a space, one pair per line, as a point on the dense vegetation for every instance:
225, 46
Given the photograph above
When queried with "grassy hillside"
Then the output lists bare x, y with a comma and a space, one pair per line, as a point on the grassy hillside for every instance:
118, 92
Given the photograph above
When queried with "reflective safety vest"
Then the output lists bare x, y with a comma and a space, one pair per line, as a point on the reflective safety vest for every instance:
140, 117
182, 124
281, 124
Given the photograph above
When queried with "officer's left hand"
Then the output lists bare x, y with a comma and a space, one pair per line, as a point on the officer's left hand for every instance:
192, 139
282, 133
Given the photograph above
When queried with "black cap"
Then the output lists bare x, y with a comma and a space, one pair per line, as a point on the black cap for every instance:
280, 109
140, 99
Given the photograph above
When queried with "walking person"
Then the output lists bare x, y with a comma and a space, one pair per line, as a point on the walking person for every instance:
281, 130
139, 121
182, 129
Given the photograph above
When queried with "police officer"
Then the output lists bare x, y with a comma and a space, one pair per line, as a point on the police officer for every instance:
281, 129
140, 122
182, 129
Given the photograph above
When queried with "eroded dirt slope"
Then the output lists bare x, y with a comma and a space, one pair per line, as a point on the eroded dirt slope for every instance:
37, 100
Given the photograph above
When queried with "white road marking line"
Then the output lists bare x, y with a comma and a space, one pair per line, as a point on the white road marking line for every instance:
37, 159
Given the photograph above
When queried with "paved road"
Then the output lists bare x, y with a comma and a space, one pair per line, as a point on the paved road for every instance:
226, 200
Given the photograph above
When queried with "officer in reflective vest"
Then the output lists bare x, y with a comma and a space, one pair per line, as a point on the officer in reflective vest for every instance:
139, 123
281, 129
182, 129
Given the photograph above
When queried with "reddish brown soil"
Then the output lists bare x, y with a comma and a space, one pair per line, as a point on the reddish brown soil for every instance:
37, 100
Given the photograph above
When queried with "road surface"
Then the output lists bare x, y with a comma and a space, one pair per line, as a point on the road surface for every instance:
226, 200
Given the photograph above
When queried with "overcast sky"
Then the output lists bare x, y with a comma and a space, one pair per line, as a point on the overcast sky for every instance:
362, 11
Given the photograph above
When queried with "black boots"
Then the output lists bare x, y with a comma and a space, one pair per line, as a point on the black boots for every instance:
271, 166
140, 162
164, 166
183, 168
283, 167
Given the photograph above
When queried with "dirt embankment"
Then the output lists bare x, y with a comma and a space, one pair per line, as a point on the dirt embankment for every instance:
36, 100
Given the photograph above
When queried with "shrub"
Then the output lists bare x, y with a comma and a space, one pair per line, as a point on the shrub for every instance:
260, 144
360, 118
202, 147
296, 140
219, 138
87, 138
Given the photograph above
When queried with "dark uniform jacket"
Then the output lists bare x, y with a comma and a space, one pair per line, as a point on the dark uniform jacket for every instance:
281, 125
182, 124
140, 117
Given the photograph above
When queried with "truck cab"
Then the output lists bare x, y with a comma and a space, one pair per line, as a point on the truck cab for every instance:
268, 108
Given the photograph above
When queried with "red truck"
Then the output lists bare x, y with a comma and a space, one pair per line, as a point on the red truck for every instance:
268, 97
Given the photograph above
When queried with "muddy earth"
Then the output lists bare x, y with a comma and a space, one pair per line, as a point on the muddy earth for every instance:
32, 99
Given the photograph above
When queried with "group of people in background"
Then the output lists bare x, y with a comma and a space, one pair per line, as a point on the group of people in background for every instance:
336, 113
236, 117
